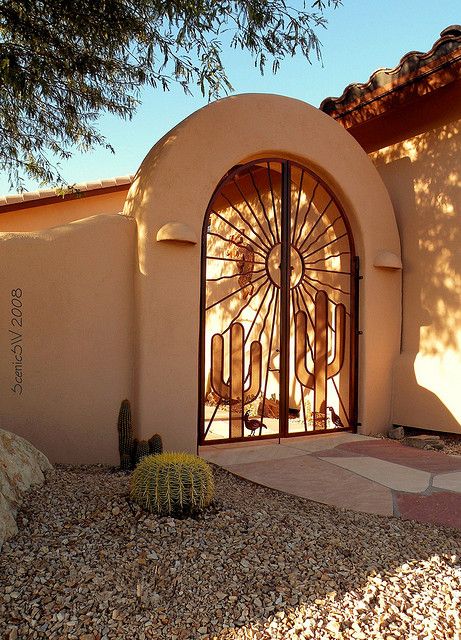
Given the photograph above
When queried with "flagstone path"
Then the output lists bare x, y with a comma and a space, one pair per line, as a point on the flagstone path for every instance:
354, 472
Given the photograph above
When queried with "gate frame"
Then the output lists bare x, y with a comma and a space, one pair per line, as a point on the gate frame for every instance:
354, 332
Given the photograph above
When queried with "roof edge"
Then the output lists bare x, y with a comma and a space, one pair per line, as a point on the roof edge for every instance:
414, 65
43, 196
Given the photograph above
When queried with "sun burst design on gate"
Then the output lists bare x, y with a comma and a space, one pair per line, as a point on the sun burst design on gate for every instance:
242, 304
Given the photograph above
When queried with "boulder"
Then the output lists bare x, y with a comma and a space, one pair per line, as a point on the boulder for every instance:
21, 466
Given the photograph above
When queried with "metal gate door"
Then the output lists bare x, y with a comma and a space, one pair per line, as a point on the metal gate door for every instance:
278, 307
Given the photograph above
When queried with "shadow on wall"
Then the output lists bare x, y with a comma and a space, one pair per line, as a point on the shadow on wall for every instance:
423, 176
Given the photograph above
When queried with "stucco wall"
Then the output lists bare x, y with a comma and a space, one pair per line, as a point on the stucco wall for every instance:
109, 312
423, 177
175, 183
46, 216
66, 350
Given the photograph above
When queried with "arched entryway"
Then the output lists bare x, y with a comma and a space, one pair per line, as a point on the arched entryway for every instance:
278, 306
172, 190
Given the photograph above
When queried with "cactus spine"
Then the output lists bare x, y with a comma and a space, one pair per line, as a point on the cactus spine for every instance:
234, 391
125, 435
155, 444
172, 484
316, 375
131, 449
141, 450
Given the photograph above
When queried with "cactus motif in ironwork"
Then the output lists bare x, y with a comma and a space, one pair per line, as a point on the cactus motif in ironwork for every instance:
280, 281
241, 388
315, 375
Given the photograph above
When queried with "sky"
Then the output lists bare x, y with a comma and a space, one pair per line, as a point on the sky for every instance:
361, 36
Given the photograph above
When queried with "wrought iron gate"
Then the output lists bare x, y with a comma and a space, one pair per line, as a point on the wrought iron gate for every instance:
278, 307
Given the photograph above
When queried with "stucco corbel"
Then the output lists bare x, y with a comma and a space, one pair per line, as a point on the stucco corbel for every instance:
176, 232
387, 260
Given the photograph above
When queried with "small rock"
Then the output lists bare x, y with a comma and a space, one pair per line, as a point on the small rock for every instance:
333, 626
13, 634
396, 433
116, 511
422, 441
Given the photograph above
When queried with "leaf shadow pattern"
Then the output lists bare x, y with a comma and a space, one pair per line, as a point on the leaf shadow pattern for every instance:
423, 176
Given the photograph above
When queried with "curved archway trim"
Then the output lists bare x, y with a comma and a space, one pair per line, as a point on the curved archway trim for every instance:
176, 181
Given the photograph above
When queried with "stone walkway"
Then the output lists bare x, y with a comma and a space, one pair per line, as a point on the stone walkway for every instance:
354, 472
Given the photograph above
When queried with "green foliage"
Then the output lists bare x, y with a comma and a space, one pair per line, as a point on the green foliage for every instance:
125, 436
62, 64
156, 444
172, 484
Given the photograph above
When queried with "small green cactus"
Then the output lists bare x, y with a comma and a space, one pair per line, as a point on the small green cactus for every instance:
172, 484
125, 435
140, 451
131, 449
155, 444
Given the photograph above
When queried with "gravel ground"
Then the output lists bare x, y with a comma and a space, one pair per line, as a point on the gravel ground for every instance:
452, 444
259, 564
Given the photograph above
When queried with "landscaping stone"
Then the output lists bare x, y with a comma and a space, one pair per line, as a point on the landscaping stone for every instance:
258, 565
441, 507
425, 442
396, 433
21, 466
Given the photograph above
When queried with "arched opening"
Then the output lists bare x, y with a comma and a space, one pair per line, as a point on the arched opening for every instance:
278, 353
168, 189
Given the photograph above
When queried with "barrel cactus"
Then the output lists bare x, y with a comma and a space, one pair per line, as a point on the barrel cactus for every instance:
172, 484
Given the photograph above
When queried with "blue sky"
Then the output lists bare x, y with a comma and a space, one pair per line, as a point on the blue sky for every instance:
362, 36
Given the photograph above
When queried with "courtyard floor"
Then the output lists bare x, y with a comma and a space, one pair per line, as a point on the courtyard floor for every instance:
354, 472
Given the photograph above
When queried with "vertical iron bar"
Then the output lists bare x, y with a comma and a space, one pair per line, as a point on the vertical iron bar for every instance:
201, 337
354, 358
285, 274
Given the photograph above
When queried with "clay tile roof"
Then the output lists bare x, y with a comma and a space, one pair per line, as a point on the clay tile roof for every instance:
439, 66
44, 194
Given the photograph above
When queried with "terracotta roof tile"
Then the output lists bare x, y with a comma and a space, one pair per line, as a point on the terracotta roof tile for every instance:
42, 194
414, 65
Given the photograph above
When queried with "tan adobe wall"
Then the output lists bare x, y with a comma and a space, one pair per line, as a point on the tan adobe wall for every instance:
175, 183
66, 345
109, 312
46, 216
423, 176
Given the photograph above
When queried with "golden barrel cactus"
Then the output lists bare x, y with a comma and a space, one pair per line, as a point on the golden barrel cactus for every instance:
172, 484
